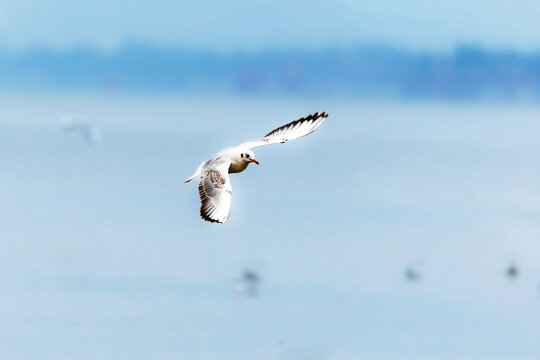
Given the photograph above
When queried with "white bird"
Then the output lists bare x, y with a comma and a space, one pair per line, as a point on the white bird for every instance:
215, 187
72, 123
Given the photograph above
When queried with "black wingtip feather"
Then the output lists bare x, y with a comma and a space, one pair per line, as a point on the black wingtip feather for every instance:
209, 219
311, 117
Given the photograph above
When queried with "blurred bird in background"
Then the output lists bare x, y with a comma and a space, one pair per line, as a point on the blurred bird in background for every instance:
80, 123
412, 271
248, 283
512, 271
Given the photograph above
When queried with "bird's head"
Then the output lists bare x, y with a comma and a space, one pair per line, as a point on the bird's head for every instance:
248, 156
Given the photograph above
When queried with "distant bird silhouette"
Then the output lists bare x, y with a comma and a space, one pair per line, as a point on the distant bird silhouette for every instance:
72, 123
412, 273
248, 284
512, 271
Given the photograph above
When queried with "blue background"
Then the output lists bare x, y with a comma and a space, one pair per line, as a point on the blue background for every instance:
429, 158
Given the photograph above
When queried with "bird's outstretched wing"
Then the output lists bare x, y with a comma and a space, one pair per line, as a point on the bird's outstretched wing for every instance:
72, 123
293, 130
215, 190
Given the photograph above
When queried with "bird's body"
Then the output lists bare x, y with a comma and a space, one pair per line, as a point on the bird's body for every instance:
215, 188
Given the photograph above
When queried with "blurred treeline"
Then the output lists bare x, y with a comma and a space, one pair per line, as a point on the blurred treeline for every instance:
467, 73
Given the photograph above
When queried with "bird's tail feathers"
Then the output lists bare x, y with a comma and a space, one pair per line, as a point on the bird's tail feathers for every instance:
192, 177
198, 172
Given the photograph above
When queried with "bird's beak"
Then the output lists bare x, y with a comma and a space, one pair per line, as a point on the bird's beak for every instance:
255, 161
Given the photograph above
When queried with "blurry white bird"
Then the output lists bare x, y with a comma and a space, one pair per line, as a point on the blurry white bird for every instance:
79, 123
215, 188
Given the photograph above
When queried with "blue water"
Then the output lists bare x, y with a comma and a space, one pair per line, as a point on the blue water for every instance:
103, 254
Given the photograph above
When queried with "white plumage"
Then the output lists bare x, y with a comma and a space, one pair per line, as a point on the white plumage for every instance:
72, 123
215, 188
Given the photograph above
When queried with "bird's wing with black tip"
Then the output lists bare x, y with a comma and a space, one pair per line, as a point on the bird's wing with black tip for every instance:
215, 191
293, 130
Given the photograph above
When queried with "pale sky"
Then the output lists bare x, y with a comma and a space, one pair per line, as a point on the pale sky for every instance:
253, 25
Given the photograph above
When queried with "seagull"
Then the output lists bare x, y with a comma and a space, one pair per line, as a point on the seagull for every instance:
215, 188
72, 123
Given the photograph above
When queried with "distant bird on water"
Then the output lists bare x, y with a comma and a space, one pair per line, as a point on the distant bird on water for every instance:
215, 188
512, 271
248, 283
72, 123
412, 275
412, 272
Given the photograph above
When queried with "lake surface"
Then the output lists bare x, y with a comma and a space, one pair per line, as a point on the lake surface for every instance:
103, 254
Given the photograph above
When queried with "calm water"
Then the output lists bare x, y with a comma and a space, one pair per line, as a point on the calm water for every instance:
103, 254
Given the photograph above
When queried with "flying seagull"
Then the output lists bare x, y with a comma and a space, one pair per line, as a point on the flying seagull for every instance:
215, 187
71, 123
